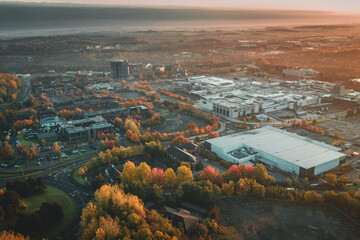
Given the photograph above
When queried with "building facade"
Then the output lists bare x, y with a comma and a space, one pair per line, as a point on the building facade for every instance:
84, 129
119, 69
279, 149
183, 153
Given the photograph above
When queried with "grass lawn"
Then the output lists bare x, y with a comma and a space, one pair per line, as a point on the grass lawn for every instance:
165, 112
26, 143
53, 195
79, 179
128, 143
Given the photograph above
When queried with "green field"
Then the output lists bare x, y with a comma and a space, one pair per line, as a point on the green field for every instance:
53, 195
79, 179
165, 112
24, 142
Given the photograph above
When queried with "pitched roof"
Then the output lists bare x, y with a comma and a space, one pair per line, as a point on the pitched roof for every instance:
181, 154
188, 146
184, 216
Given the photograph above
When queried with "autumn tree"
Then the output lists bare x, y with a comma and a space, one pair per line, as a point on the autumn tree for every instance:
43, 143
213, 135
331, 179
170, 177
10, 235
158, 176
112, 214
56, 149
7, 152
209, 173
184, 174
313, 197
190, 126
228, 188
9, 87
179, 140
262, 176
154, 148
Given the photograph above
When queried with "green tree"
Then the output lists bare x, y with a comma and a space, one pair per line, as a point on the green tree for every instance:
98, 181
158, 192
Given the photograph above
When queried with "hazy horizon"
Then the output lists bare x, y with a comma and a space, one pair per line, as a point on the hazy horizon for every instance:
35, 19
345, 6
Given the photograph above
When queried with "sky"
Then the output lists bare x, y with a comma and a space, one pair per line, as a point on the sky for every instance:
342, 6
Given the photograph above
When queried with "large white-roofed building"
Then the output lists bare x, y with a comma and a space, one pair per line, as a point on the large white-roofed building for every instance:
286, 151
211, 83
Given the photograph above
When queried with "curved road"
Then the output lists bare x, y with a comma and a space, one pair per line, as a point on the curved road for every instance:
62, 179
81, 195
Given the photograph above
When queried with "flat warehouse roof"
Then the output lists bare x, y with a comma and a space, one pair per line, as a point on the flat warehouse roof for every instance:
290, 147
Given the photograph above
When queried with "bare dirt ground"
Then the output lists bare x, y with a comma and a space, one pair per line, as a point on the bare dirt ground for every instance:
348, 129
264, 220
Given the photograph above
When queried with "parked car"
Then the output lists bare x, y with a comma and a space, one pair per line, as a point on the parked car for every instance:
3, 165
64, 155
75, 151
17, 166
82, 150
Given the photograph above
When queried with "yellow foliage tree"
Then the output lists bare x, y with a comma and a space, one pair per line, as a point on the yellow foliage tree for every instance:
184, 174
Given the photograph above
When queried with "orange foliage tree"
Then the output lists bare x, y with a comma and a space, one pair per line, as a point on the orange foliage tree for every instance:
179, 140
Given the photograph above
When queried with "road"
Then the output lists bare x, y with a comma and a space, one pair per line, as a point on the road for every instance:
62, 178
81, 195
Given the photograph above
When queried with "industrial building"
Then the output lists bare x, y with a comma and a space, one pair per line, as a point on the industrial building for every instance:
237, 104
244, 97
278, 148
119, 69
50, 122
211, 83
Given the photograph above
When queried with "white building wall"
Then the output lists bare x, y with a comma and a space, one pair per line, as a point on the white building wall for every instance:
281, 163
219, 152
206, 104
275, 107
234, 113
326, 166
